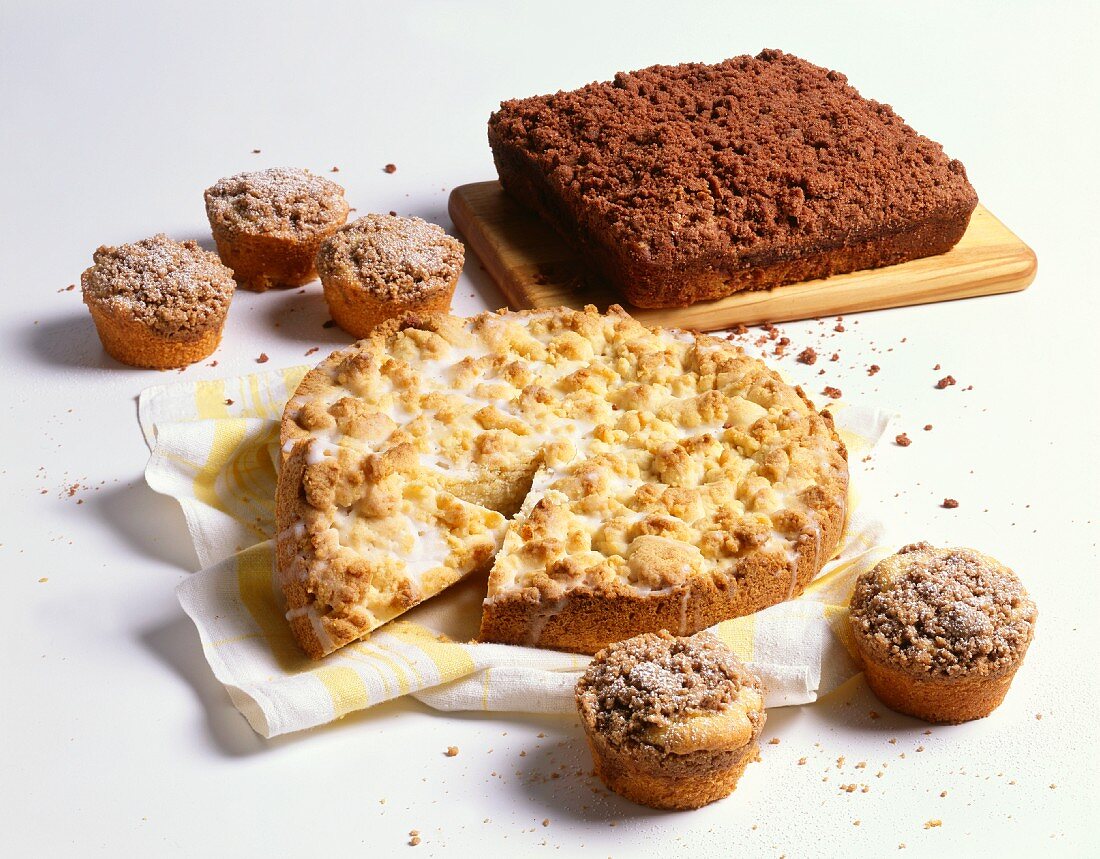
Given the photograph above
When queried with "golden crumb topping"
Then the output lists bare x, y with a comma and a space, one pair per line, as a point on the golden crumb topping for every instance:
176, 288
636, 688
944, 611
279, 202
391, 257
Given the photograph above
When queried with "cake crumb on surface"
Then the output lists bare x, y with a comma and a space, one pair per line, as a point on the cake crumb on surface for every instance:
451, 751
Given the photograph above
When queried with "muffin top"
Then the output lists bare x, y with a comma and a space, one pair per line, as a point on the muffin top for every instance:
682, 694
175, 288
947, 612
391, 257
280, 202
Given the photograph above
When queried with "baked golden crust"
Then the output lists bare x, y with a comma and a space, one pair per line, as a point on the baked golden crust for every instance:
670, 481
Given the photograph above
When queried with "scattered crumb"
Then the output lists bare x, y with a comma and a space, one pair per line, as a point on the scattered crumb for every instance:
902, 440
255, 151
928, 427
933, 823
943, 793
228, 401
312, 350
546, 821
43, 580
390, 168
874, 368
452, 751
263, 359
774, 741
950, 503
802, 762
832, 393
839, 327
334, 169
946, 382
807, 356
414, 840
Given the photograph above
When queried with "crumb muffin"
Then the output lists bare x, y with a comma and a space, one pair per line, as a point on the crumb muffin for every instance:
383, 266
941, 632
268, 225
158, 303
671, 722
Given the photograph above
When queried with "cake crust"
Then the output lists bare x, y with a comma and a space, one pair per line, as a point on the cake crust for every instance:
662, 479
692, 182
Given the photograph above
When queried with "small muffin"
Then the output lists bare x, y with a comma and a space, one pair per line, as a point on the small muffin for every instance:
382, 266
671, 722
158, 303
941, 632
269, 225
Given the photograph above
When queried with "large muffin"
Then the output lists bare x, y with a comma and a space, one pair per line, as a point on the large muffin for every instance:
269, 224
663, 479
671, 722
381, 267
158, 303
941, 632
692, 182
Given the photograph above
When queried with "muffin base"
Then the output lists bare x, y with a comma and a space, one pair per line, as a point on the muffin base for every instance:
260, 263
358, 312
941, 700
667, 781
132, 343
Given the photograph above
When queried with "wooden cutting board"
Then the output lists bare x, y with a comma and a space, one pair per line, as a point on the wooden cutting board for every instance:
534, 268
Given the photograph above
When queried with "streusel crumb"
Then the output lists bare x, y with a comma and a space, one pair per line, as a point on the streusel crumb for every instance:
650, 680
175, 288
279, 202
944, 611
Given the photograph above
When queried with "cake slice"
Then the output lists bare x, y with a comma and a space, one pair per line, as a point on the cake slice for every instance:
692, 182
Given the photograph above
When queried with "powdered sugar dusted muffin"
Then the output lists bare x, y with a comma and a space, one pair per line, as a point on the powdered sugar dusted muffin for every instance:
158, 303
383, 266
268, 225
941, 632
671, 722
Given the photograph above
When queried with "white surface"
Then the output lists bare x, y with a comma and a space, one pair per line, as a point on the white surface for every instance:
117, 739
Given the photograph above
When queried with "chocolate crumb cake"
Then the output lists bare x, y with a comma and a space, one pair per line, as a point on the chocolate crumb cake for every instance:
692, 182
671, 722
941, 632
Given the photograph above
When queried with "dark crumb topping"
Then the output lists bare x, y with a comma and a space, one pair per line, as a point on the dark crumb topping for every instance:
944, 611
673, 160
651, 680
281, 202
176, 288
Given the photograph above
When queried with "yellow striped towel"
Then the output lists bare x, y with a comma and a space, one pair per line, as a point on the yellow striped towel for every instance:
214, 449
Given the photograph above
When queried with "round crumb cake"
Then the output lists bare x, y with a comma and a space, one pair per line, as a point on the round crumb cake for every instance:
269, 224
158, 303
941, 632
620, 479
671, 722
380, 267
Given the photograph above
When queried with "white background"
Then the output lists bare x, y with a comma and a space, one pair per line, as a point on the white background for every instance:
116, 738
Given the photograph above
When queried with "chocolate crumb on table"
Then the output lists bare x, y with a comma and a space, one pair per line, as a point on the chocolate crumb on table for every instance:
874, 368
945, 382
902, 440
927, 427
950, 503
390, 168
263, 359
